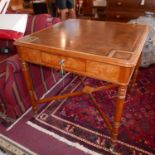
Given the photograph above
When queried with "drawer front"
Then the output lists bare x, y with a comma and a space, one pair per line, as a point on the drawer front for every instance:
109, 72
70, 64
105, 71
30, 55
122, 16
129, 4
98, 70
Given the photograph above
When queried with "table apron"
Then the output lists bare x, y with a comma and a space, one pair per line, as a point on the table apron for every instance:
99, 70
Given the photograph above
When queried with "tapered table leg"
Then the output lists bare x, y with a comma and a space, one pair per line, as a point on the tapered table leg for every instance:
28, 81
118, 113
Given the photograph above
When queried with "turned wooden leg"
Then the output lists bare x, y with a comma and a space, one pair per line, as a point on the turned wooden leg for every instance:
118, 114
28, 81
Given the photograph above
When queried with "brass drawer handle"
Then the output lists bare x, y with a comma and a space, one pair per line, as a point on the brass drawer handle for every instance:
62, 64
142, 2
119, 3
118, 16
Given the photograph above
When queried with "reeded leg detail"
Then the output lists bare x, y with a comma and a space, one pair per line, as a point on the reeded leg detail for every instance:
118, 113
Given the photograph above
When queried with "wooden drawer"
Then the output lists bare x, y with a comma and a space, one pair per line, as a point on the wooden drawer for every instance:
122, 16
105, 71
30, 55
130, 4
70, 64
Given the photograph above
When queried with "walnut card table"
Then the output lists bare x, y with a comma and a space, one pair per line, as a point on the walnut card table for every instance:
106, 51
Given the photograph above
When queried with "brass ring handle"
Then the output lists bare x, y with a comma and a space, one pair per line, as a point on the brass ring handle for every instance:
61, 63
118, 16
142, 2
119, 3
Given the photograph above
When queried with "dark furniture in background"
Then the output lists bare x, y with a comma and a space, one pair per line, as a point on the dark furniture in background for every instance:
87, 7
124, 10
98, 13
40, 7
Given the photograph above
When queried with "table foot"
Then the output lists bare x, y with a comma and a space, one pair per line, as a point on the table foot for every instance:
111, 149
35, 113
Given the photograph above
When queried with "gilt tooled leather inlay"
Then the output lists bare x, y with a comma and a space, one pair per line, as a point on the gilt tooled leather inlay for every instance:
29, 39
118, 54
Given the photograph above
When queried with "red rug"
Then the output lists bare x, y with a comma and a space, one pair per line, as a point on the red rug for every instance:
78, 121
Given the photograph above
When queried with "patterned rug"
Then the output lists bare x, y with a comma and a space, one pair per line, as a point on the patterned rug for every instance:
10, 147
76, 120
